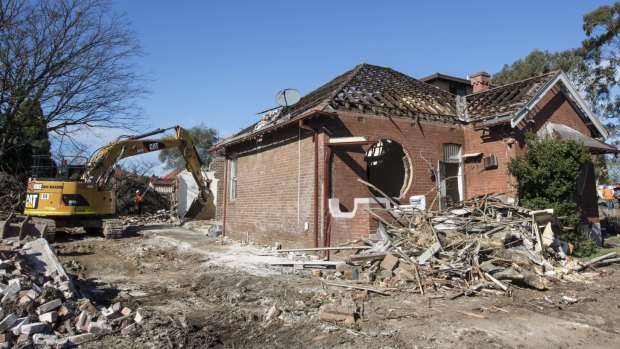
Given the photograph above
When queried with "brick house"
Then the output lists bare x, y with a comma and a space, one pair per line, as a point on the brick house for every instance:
292, 176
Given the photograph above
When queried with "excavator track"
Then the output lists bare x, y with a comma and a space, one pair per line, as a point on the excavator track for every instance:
113, 228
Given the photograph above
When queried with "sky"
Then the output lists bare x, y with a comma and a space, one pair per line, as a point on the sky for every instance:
219, 63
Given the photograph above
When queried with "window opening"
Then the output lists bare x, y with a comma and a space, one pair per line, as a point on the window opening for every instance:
386, 167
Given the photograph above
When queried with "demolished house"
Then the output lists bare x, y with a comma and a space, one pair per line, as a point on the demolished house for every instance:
293, 176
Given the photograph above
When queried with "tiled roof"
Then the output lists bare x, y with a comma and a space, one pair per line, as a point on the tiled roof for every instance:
504, 100
166, 180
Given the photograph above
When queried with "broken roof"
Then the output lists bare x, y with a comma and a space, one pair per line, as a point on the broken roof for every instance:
379, 90
367, 89
504, 100
383, 91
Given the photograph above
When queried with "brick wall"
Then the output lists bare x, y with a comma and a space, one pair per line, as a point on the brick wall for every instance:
217, 165
274, 189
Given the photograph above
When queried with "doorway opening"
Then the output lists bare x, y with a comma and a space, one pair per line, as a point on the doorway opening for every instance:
450, 176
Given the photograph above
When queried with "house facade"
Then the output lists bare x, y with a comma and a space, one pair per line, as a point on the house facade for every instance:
293, 176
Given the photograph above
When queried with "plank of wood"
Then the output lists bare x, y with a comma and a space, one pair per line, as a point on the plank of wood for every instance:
608, 261
367, 256
355, 287
307, 263
497, 282
325, 248
429, 253
594, 260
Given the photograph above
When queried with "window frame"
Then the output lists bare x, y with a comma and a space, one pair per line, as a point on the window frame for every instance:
233, 177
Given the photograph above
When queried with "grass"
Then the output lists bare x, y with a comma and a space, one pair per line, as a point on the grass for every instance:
612, 244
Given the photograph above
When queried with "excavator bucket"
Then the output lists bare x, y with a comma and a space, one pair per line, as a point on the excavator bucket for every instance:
195, 209
19, 226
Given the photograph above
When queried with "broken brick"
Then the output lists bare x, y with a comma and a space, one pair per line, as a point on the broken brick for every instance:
390, 262
51, 305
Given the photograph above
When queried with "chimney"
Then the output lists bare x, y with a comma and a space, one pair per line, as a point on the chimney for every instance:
480, 81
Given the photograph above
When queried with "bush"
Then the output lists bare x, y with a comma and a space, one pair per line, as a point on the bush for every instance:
547, 175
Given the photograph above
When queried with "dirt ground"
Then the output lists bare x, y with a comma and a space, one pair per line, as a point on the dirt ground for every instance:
198, 293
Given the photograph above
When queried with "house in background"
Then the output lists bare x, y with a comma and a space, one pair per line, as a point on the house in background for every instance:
292, 176
165, 184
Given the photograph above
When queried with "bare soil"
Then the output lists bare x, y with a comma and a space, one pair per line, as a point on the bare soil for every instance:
200, 294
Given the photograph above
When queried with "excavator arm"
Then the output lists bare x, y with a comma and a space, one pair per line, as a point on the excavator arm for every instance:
100, 166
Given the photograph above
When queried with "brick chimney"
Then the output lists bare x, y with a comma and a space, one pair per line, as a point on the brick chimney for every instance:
480, 81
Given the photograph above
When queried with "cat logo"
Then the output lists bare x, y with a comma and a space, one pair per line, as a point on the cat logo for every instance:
153, 146
32, 200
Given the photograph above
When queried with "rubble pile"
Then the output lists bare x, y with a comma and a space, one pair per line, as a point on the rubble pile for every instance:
482, 246
161, 216
39, 304
473, 248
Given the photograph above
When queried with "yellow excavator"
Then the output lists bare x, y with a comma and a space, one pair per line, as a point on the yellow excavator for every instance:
73, 192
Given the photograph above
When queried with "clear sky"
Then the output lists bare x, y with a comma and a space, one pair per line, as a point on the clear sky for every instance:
221, 62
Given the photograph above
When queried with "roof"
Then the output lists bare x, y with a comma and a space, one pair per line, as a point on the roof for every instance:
560, 131
383, 91
440, 76
166, 180
504, 100
366, 89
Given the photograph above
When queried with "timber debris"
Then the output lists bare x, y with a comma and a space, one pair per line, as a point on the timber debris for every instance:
481, 246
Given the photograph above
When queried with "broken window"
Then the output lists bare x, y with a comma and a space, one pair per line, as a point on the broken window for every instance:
233, 177
387, 167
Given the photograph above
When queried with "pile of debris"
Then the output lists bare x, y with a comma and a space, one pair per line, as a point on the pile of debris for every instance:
41, 306
481, 246
161, 216
11, 195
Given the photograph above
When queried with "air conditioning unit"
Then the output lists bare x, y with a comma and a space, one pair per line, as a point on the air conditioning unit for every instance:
489, 162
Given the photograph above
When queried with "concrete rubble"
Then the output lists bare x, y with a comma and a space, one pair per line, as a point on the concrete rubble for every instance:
41, 306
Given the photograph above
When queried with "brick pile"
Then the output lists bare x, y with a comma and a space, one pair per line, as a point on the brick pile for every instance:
39, 305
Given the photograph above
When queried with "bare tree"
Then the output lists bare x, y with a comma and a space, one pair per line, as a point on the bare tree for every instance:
73, 57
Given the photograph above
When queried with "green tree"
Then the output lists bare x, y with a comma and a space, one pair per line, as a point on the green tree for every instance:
536, 63
547, 177
203, 137
29, 138
601, 53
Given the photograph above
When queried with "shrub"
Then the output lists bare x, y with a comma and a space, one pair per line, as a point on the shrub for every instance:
546, 178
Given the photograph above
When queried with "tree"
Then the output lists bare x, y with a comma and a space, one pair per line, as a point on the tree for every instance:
547, 177
536, 63
601, 52
29, 138
74, 58
203, 137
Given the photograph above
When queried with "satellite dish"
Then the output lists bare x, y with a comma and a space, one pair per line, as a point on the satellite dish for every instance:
288, 97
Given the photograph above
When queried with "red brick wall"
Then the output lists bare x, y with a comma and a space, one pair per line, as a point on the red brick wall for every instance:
270, 177
217, 165
421, 142
478, 180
